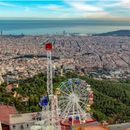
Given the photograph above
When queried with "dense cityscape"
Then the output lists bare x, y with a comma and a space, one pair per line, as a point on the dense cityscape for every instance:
98, 56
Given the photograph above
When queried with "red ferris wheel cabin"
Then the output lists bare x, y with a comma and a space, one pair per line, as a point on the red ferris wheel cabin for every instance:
48, 46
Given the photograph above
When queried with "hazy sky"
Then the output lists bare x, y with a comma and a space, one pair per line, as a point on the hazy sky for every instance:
59, 9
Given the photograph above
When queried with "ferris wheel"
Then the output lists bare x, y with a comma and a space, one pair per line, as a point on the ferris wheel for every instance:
75, 98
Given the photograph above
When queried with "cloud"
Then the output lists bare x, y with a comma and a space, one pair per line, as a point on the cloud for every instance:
82, 5
68, 8
125, 3
51, 7
115, 3
7, 4
99, 14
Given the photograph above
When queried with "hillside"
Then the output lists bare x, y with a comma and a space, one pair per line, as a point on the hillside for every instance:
111, 98
115, 33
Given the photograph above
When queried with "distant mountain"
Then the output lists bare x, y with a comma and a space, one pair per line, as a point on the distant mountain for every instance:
115, 33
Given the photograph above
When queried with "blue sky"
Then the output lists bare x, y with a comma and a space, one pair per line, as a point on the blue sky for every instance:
65, 9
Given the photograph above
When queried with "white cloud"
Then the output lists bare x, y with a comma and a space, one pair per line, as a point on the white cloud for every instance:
51, 7
99, 14
7, 4
82, 5
116, 3
85, 7
125, 3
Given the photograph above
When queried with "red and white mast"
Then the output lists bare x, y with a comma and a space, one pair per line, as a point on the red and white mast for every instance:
54, 114
48, 47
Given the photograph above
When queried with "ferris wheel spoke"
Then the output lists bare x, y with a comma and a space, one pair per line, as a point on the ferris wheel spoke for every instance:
67, 90
82, 103
63, 101
79, 93
71, 88
63, 87
67, 106
84, 95
67, 113
64, 93
83, 99
63, 97
74, 112
76, 91
63, 106
78, 113
81, 110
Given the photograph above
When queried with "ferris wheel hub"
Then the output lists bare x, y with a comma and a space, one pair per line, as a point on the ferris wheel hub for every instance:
73, 98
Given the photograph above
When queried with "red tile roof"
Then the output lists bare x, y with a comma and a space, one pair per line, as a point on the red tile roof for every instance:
5, 111
10, 87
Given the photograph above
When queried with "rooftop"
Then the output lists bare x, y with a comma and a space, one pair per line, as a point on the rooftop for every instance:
5, 111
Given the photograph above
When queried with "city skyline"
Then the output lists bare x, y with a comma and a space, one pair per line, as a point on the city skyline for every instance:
65, 9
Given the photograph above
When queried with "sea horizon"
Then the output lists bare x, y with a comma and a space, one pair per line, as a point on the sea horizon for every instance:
40, 27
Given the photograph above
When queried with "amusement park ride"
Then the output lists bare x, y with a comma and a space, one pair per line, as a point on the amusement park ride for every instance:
69, 106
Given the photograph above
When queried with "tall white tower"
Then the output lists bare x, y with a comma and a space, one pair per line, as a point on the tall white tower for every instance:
53, 101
